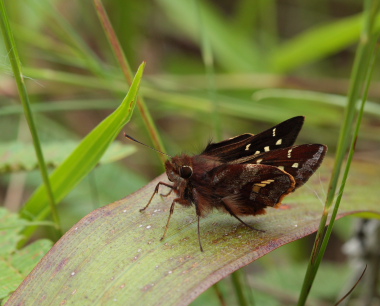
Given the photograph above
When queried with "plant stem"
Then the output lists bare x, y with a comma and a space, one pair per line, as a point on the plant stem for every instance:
118, 51
238, 280
16, 67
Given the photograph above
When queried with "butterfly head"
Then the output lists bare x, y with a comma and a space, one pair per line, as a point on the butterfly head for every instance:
179, 168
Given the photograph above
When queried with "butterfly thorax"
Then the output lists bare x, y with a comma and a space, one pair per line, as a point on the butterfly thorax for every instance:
187, 172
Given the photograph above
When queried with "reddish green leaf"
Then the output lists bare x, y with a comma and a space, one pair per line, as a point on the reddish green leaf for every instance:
115, 254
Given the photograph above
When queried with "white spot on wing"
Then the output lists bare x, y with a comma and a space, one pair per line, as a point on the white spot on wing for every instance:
259, 161
266, 149
247, 147
290, 153
257, 152
281, 167
295, 165
274, 132
279, 142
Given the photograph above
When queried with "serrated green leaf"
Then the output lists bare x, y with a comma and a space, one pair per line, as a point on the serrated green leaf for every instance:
119, 249
16, 264
10, 225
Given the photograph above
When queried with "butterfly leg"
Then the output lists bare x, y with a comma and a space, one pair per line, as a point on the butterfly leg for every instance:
170, 215
166, 194
232, 214
155, 192
197, 200
199, 228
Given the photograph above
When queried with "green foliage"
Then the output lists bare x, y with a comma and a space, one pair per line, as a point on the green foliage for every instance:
266, 61
84, 158
318, 42
16, 264
16, 156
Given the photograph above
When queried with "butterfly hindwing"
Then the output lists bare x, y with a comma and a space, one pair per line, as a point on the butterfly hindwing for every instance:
299, 161
248, 188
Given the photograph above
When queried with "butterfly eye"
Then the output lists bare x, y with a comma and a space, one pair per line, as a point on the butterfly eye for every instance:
185, 172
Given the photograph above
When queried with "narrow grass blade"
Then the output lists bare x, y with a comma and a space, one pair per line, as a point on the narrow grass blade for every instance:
84, 158
318, 42
233, 49
24, 97
360, 75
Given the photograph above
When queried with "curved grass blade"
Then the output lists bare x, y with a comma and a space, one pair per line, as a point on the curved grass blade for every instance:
84, 158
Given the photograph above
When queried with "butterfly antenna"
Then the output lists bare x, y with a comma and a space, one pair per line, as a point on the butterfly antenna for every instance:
135, 140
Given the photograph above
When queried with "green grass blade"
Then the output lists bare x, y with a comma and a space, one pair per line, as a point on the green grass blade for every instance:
209, 63
360, 75
240, 286
84, 158
318, 42
24, 97
60, 26
234, 50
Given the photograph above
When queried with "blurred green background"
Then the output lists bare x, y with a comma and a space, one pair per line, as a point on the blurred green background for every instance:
215, 69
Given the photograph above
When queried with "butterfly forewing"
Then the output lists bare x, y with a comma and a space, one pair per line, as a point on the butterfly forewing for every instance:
214, 147
280, 136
